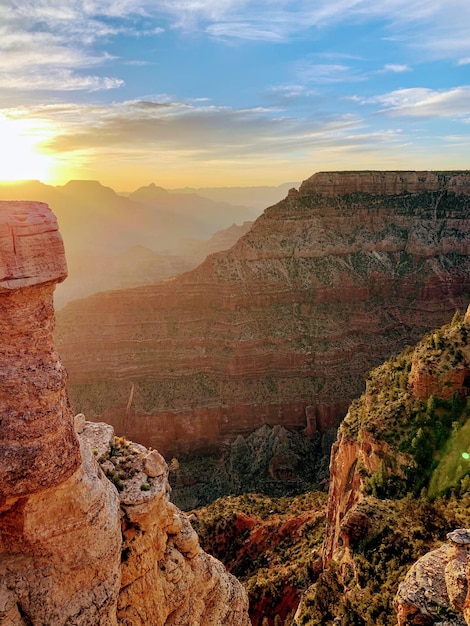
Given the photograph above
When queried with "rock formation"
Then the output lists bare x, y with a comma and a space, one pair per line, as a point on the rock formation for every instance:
270, 460
59, 517
399, 481
368, 443
436, 587
74, 548
327, 284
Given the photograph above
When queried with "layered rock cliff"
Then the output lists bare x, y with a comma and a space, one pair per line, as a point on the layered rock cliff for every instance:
327, 283
80, 544
399, 482
392, 437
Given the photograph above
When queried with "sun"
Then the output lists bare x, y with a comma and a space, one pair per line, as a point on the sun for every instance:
20, 158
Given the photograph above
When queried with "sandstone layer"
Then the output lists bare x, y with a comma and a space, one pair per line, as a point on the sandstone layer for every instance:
81, 545
326, 284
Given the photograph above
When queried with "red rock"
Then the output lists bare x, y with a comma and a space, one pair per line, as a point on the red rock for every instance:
326, 284
71, 550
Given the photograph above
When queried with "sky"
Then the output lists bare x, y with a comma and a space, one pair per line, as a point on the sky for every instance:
231, 92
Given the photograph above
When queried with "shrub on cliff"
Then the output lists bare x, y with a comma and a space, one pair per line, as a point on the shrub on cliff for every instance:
401, 531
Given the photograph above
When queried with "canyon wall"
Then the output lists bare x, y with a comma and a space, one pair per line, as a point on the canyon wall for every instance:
385, 444
82, 543
327, 284
399, 483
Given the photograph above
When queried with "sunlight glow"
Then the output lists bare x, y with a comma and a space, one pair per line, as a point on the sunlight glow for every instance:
20, 158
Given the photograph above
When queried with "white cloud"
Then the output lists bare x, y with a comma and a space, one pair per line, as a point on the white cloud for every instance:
67, 34
45, 41
327, 73
422, 102
391, 67
57, 80
440, 29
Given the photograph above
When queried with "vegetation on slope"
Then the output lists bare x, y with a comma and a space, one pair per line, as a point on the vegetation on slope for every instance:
415, 410
415, 407
420, 430
271, 544
361, 592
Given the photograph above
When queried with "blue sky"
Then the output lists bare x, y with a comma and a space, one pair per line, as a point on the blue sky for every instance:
231, 92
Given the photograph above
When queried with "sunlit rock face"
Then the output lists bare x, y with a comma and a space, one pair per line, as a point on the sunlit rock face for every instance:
436, 369
82, 543
435, 589
60, 542
327, 284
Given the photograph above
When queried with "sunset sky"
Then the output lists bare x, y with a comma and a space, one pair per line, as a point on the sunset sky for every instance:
231, 92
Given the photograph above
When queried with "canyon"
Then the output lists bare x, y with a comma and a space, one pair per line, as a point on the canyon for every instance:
280, 329
88, 535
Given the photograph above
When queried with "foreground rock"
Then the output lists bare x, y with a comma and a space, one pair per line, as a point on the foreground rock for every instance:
281, 328
435, 589
60, 538
75, 547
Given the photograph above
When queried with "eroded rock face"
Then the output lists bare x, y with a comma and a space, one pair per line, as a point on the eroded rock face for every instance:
59, 516
371, 448
73, 551
435, 589
166, 578
326, 284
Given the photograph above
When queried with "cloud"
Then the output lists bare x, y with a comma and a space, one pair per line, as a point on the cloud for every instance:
57, 80
327, 73
37, 36
244, 30
201, 130
44, 42
391, 67
422, 102
432, 26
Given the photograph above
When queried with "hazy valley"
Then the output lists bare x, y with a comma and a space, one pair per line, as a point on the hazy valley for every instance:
115, 241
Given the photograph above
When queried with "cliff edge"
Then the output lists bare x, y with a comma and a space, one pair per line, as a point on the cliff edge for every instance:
80, 544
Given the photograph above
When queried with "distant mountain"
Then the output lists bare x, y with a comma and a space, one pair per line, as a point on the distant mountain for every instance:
98, 226
258, 198
281, 328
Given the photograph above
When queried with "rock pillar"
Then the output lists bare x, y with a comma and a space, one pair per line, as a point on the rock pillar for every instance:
38, 446
59, 516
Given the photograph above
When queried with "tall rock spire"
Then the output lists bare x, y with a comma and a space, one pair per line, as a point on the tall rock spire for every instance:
72, 551
38, 446
60, 540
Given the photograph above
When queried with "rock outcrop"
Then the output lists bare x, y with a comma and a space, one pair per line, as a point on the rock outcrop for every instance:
382, 444
60, 542
382, 441
399, 482
79, 544
327, 284
435, 589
